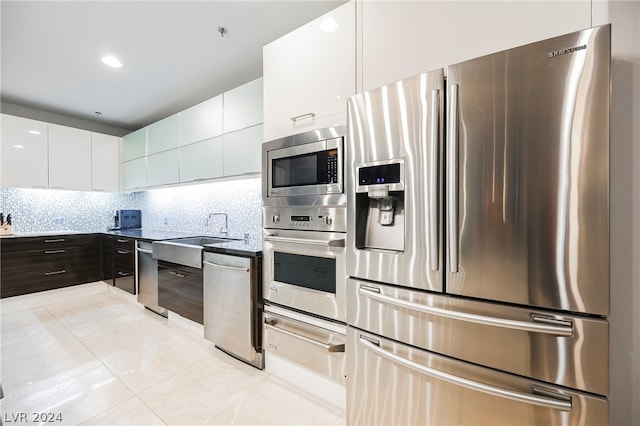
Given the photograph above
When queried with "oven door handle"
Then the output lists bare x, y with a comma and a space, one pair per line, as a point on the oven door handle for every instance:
325, 243
330, 348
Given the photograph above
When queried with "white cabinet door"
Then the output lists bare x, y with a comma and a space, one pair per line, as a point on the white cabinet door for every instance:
25, 162
400, 39
134, 174
69, 158
134, 145
163, 135
202, 121
201, 160
105, 163
243, 151
309, 74
243, 106
163, 168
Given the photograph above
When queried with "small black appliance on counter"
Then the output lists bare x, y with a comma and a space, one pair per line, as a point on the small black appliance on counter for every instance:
127, 219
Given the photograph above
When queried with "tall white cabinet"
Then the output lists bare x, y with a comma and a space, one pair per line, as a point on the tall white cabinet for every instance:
69, 158
25, 153
309, 74
105, 159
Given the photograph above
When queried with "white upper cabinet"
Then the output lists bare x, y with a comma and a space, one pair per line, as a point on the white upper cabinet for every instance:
134, 174
400, 39
25, 162
202, 121
309, 74
243, 106
69, 158
134, 145
163, 168
201, 160
243, 151
163, 135
105, 162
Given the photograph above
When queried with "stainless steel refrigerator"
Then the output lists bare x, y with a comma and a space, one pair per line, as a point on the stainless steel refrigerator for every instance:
478, 241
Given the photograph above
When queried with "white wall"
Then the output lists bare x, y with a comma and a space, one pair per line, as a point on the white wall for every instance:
625, 208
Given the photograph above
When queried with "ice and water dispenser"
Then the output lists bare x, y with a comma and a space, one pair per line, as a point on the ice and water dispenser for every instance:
380, 206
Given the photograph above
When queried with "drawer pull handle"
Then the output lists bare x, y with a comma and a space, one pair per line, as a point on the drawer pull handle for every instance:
57, 240
329, 348
122, 241
123, 252
123, 274
307, 115
54, 251
55, 272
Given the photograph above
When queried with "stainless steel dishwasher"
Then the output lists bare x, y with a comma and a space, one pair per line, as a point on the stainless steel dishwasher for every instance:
232, 314
147, 276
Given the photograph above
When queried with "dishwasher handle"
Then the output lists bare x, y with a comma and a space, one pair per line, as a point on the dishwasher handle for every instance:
225, 267
145, 251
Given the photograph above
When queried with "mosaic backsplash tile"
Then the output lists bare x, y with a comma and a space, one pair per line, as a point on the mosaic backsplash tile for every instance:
185, 208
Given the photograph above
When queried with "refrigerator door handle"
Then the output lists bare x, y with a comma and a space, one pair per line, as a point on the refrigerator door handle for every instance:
433, 181
452, 173
563, 404
539, 325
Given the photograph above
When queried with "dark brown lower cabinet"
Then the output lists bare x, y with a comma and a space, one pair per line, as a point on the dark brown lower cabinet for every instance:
32, 264
180, 290
124, 253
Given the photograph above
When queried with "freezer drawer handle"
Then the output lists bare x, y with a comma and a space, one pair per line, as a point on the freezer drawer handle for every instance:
230, 268
325, 243
544, 325
330, 348
563, 404
139, 250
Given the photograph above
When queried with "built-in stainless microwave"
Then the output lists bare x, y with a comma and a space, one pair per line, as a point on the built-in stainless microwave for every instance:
299, 168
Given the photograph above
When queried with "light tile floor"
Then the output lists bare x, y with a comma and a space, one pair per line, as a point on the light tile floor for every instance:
94, 358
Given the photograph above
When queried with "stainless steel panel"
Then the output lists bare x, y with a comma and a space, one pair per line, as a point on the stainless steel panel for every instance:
230, 306
178, 252
397, 122
306, 243
147, 277
531, 184
328, 219
567, 350
310, 195
393, 383
310, 342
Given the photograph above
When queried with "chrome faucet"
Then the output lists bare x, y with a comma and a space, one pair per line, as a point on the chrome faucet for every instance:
224, 230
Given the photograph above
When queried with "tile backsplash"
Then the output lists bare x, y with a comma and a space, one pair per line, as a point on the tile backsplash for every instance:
183, 208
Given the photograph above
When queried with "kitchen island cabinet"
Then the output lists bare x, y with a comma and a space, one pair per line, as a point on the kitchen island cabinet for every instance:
32, 264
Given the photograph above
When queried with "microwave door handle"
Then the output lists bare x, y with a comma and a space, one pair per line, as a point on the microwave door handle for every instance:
325, 243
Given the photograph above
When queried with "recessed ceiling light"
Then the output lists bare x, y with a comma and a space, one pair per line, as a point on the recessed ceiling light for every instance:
34, 132
18, 146
112, 61
329, 25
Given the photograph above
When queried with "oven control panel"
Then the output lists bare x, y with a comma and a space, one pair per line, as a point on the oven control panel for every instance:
311, 219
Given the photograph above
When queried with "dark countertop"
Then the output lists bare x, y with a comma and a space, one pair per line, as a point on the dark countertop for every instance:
250, 248
151, 234
237, 247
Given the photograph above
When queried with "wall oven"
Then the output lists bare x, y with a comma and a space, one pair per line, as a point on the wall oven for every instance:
304, 257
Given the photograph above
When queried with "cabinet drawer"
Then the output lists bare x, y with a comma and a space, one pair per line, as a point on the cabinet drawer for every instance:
180, 290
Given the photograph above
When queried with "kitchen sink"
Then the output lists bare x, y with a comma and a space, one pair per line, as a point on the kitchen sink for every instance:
184, 251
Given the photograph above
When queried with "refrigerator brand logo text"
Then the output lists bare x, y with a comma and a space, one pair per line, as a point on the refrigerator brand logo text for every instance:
565, 51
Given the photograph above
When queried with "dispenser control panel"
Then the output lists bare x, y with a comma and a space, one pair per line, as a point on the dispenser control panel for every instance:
382, 174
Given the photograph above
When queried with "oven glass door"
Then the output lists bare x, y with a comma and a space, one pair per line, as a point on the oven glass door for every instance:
305, 270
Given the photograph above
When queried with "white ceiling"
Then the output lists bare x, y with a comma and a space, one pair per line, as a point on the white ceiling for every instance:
172, 53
